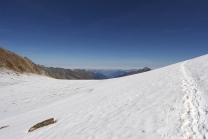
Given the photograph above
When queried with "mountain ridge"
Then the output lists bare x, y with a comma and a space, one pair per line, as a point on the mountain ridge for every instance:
18, 63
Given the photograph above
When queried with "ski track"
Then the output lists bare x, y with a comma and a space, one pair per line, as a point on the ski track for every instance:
192, 127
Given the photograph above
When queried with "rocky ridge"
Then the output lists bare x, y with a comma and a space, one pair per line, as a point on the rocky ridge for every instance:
18, 63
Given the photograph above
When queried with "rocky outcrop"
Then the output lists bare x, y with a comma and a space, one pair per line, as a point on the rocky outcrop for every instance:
3, 127
42, 124
18, 63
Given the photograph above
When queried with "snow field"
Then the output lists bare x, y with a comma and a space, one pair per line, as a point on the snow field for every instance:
165, 103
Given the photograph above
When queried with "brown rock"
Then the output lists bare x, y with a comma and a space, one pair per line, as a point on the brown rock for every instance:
41, 124
3, 127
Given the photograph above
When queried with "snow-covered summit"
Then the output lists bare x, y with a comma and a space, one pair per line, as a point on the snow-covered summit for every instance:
170, 102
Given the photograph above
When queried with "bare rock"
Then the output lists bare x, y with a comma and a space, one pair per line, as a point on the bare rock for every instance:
3, 127
42, 124
20, 64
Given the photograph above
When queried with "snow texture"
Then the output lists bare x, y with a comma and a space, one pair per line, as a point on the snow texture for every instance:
167, 103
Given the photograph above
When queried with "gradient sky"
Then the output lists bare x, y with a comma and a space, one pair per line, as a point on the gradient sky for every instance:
105, 34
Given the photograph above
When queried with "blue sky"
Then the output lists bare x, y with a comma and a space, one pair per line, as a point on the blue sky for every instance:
105, 34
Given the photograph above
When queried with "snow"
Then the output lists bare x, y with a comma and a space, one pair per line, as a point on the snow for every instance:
170, 102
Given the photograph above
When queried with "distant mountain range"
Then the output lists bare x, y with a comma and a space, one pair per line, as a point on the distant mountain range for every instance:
18, 63
109, 73
119, 73
97, 75
61, 73
131, 72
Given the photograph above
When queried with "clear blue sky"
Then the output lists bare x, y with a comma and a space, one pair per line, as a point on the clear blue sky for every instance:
110, 34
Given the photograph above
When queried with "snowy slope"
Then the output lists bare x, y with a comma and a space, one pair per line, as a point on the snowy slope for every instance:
170, 102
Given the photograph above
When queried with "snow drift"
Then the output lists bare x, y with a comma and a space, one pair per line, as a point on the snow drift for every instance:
170, 102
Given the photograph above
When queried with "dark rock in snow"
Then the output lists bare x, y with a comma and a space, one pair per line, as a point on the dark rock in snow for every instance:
3, 127
42, 124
